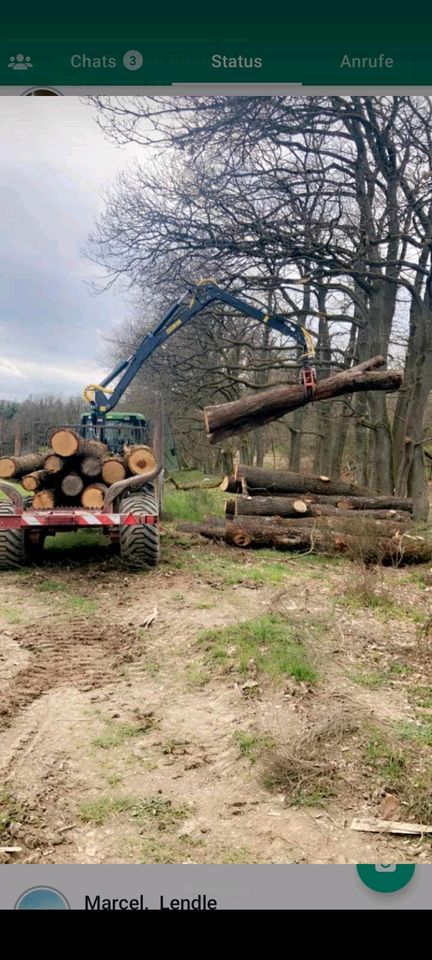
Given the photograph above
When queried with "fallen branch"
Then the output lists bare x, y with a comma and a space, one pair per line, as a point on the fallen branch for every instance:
374, 825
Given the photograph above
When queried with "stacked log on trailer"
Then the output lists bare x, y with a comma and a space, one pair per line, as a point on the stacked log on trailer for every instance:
292, 511
75, 471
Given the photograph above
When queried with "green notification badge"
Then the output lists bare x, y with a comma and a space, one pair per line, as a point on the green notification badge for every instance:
385, 877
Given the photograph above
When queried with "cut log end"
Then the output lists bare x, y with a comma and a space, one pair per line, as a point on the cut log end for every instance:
44, 500
140, 460
92, 498
72, 485
53, 463
7, 468
113, 470
65, 443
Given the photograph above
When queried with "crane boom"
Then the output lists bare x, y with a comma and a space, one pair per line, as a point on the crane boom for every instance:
102, 399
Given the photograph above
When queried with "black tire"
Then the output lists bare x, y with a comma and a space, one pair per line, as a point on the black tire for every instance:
12, 543
140, 545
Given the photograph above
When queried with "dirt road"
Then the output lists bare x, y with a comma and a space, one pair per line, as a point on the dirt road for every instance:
271, 700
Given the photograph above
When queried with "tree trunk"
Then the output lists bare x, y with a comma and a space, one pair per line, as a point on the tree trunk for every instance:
19, 466
68, 443
44, 500
53, 463
72, 485
266, 482
140, 460
285, 507
256, 409
295, 428
93, 496
91, 467
36, 480
231, 485
385, 549
362, 503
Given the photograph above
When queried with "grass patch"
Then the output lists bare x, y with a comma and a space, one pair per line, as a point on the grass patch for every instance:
116, 734
385, 757
193, 505
81, 604
421, 696
10, 614
197, 677
376, 679
50, 586
267, 644
251, 745
359, 597
162, 811
419, 732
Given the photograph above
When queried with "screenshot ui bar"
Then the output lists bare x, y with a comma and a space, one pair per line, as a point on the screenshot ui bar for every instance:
136, 61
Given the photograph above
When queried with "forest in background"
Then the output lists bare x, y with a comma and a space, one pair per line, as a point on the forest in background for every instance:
316, 208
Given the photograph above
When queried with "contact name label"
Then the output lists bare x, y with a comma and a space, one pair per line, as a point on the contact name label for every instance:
200, 902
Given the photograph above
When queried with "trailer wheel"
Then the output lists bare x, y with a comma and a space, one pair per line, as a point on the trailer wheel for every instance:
140, 545
12, 545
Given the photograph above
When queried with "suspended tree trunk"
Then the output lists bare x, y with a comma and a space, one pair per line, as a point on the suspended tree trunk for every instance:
254, 410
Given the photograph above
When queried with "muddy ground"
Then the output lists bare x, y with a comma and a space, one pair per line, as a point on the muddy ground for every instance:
272, 700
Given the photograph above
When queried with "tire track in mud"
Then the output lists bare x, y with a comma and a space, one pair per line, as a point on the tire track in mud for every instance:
77, 653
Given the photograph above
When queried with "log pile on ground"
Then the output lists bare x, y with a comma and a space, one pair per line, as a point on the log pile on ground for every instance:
291, 511
76, 471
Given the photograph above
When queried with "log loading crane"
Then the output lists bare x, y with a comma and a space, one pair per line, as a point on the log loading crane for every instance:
132, 507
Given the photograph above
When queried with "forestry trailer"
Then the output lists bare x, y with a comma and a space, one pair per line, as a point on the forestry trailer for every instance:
132, 507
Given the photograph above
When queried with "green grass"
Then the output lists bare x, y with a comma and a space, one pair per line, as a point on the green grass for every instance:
381, 604
421, 696
98, 811
385, 757
376, 679
231, 572
83, 546
193, 505
420, 732
268, 644
81, 604
251, 744
50, 586
116, 734
10, 614
197, 677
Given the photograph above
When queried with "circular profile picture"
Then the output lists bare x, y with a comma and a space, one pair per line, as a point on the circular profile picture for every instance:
42, 898
42, 92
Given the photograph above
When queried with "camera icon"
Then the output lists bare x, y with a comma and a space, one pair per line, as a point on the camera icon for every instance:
385, 867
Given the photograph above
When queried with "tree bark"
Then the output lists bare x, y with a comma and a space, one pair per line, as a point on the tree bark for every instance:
385, 549
140, 460
36, 480
285, 507
362, 503
72, 485
67, 443
91, 467
19, 466
266, 482
256, 409
93, 496
113, 469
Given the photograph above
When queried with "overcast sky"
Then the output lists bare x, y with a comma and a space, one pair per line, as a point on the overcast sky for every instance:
55, 166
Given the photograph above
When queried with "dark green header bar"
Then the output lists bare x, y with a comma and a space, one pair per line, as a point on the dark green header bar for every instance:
240, 42
143, 62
